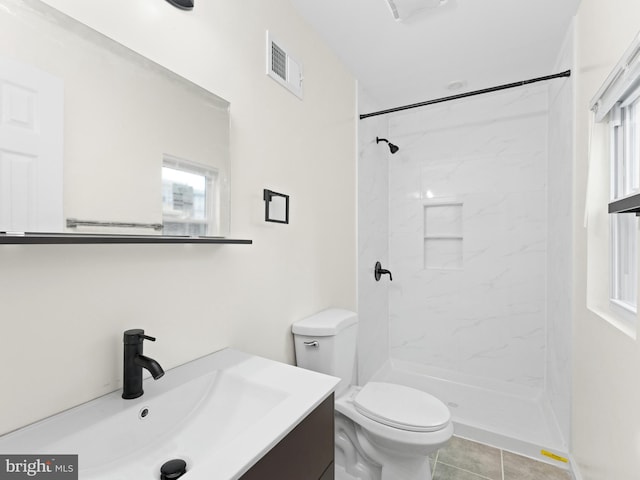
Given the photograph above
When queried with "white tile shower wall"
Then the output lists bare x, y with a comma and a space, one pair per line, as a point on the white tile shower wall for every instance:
373, 232
559, 246
487, 319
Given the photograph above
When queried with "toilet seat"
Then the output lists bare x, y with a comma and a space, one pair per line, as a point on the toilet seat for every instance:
402, 407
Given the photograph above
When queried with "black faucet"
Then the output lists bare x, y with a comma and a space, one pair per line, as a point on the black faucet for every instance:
134, 362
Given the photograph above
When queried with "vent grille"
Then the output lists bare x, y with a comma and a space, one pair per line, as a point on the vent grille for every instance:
405, 9
278, 61
282, 67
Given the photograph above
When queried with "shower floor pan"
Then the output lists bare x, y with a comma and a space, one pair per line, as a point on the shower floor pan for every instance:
516, 419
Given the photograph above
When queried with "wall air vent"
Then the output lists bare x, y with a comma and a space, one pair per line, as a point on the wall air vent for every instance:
282, 67
404, 9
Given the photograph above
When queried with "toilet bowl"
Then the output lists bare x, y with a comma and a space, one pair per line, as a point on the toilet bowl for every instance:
384, 431
396, 428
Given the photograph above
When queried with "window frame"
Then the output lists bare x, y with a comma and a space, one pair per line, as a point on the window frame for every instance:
625, 180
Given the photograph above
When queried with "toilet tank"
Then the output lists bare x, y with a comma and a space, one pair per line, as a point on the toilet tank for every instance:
326, 343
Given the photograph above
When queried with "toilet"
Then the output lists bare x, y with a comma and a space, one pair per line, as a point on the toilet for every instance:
383, 431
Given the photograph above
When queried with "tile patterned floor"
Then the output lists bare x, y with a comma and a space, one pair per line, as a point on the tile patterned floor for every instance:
463, 459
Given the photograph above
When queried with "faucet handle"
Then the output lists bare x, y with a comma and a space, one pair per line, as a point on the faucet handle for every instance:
136, 335
379, 271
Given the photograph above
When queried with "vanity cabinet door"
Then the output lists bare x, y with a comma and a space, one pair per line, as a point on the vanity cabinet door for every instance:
329, 473
306, 453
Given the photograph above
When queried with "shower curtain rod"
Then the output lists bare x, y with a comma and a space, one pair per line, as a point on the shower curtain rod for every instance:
566, 73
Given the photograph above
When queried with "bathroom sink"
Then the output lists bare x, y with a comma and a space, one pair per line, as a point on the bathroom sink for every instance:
219, 413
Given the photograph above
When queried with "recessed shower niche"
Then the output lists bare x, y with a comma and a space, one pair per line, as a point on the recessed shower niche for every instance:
443, 235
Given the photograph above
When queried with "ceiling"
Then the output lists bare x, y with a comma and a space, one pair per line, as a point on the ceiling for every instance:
481, 43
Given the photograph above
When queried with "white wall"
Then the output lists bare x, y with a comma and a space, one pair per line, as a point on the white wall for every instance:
560, 239
606, 362
373, 239
64, 307
478, 312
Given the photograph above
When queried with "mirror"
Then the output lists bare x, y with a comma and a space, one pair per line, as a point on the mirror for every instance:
95, 138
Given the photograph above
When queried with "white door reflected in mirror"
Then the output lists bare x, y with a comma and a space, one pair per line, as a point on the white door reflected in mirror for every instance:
31, 148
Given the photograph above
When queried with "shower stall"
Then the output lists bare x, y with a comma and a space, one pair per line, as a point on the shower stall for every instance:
473, 218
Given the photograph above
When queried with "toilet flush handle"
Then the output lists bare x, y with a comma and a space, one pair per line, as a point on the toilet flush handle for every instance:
313, 343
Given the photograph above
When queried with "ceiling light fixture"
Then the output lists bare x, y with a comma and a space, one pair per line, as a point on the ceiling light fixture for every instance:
403, 9
182, 4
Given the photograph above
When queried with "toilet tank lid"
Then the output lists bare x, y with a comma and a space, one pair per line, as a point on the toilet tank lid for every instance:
325, 323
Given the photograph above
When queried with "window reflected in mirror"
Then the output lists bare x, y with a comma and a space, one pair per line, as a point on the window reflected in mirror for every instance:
189, 198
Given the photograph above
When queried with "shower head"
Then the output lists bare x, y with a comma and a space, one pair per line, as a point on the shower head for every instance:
392, 148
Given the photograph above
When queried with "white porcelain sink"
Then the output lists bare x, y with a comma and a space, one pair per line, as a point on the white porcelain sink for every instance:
220, 414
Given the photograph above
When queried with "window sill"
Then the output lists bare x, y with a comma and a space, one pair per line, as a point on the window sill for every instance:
622, 320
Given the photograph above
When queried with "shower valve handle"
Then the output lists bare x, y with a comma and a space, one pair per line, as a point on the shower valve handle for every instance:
379, 271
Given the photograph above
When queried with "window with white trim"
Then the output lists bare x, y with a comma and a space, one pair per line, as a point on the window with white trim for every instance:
616, 106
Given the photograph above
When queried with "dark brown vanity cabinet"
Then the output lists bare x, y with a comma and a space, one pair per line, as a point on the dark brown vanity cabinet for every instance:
306, 453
